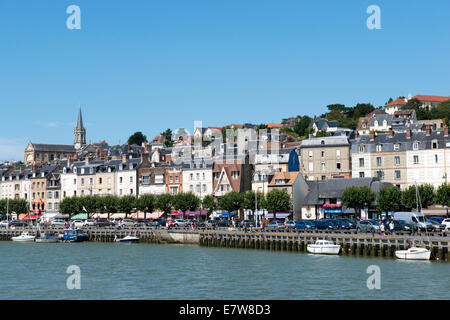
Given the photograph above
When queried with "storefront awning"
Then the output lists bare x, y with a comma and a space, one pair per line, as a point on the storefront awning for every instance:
226, 215
278, 215
79, 216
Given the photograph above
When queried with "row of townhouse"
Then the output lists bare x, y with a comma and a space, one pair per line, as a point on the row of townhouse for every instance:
403, 158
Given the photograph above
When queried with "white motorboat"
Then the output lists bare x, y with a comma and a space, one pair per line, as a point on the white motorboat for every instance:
324, 247
413, 253
128, 239
24, 237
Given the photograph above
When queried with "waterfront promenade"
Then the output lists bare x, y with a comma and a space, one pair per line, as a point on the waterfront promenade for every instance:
353, 243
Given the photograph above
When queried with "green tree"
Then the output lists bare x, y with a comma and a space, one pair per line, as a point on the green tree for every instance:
70, 206
168, 135
357, 198
185, 201
209, 203
389, 199
146, 203
137, 138
231, 201
442, 111
164, 202
426, 196
111, 204
127, 204
443, 195
278, 200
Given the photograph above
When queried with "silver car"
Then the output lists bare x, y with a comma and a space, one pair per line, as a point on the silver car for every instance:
367, 226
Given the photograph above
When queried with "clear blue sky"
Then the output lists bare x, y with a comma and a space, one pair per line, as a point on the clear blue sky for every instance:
153, 64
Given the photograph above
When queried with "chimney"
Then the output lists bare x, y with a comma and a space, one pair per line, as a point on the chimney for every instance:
428, 130
87, 160
408, 133
445, 131
391, 133
124, 157
372, 135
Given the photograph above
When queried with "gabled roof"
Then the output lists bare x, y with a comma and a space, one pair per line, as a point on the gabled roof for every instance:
398, 102
288, 177
423, 97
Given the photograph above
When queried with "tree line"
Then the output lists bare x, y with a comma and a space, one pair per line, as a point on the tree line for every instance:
275, 201
13, 206
393, 199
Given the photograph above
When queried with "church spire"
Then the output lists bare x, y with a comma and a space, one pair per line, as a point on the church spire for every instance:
80, 119
79, 140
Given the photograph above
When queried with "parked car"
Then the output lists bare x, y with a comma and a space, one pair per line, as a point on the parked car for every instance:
326, 224
401, 225
351, 222
446, 223
143, 223
342, 224
78, 223
126, 223
17, 223
436, 225
200, 224
437, 219
275, 225
368, 226
289, 224
416, 218
300, 225
159, 222
116, 221
58, 222
178, 223
211, 223
89, 223
4, 224
224, 223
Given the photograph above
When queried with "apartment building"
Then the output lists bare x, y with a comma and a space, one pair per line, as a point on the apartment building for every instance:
198, 176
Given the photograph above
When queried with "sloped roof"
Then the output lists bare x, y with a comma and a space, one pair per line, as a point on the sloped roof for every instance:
423, 97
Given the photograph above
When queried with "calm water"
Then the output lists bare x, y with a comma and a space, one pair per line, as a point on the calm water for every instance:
146, 271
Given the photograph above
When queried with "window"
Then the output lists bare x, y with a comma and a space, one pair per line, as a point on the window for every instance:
338, 165
416, 159
49, 195
323, 153
100, 180
197, 176
415, 146
131, 191
131, 179
380, 175
120, 179
56, 195
145, 179
120, 192
192, 176
204, 188
338, 153
74, 182
379, 161
397, 160
324, 177
198, 188
434, 144
310, 153
396, 147
379, 147
91, 181
191, 187
171, 179
82, 181
361, 174
436, 158
323, 166
361, 162
361, 148
176, 179
228, 187
203, 176
397, 174
235, 175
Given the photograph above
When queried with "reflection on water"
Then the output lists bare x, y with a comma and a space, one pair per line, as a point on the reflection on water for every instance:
145, 271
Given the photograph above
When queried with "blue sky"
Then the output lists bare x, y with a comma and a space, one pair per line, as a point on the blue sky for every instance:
149, 65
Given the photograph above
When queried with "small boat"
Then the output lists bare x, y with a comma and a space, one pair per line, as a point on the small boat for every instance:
75, 235
24, 237
47, 238
129, 239
413, 253
324, 247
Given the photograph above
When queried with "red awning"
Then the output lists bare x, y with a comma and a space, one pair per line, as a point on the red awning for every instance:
31, 217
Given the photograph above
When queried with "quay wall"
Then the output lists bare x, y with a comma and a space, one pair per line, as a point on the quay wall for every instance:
368, 245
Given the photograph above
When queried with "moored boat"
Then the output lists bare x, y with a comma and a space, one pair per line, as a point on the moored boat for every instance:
414, 253
24, 237
324, 247
75, 235
47, 238
128, 239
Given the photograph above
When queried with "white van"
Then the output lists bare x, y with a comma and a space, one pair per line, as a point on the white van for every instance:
415, 218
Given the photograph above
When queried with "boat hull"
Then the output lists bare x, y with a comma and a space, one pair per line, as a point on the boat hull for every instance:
323, 249
22, 239
46, 240
413, 254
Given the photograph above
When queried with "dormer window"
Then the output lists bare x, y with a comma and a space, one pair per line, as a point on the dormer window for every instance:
396, 146
75, 170
91, 170
415, 146
434, 144
82, 170
379, 147
361, 148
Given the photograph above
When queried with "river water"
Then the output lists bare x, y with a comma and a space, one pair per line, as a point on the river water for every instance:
150, 271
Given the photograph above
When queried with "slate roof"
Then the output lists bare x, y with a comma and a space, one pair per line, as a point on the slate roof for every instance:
53, 147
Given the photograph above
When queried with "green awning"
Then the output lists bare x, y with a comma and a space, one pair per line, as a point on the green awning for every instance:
79, 216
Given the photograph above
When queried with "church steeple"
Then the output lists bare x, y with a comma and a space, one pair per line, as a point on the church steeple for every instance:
79, 139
